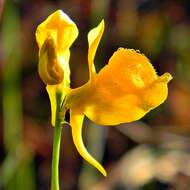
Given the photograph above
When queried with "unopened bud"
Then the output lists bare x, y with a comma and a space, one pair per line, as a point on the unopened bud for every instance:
49, 69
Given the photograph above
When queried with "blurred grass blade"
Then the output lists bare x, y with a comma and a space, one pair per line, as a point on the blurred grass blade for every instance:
14, 172
12, 103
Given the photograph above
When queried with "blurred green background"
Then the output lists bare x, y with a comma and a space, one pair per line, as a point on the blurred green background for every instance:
151, 154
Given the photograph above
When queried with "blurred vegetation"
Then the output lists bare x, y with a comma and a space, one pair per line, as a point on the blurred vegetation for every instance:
151, 154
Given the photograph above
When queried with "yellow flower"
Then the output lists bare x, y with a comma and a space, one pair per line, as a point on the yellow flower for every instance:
123, 91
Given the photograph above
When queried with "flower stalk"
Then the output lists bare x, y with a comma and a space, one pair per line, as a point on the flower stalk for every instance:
56, 147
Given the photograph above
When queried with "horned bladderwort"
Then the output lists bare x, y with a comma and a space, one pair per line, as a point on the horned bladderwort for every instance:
123, 91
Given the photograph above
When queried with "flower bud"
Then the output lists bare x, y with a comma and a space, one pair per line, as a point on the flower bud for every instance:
49, 68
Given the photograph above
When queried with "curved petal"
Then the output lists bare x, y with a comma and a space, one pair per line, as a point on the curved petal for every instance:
125, 89
60, 27
76, 121
94, 37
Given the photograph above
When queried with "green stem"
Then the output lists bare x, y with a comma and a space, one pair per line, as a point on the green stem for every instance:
56, 148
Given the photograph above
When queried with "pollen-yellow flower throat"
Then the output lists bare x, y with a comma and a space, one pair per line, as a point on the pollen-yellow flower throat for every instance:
123, 91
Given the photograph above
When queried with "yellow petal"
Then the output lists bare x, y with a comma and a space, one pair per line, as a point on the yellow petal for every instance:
94, 37
51, 89
124, 90
156, 92
60, 27
52, 92
76, 121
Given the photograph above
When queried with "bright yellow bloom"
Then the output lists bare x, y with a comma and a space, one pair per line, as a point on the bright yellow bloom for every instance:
123, 91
